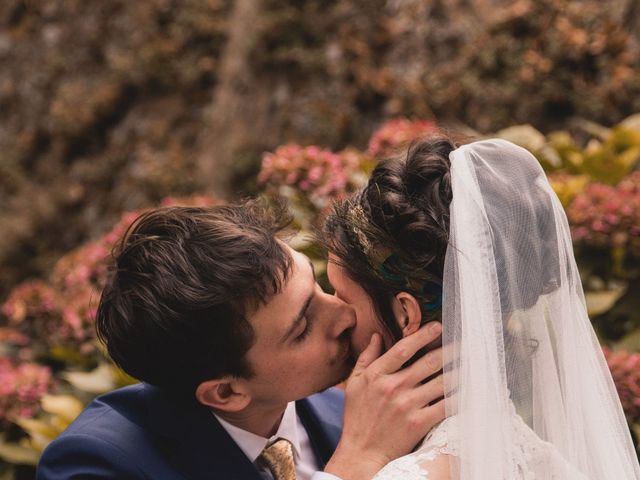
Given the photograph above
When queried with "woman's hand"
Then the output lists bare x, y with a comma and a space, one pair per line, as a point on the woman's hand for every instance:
387, 409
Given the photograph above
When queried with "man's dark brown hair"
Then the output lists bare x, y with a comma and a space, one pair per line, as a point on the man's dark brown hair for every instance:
174, 312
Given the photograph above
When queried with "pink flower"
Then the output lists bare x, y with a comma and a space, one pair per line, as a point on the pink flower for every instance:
398, 132
612, 219
13, 336
72, 318
291, 178
313, 151
315, 175
305, 185
60, 312
625, 370
21, 387
604, 216
30, 300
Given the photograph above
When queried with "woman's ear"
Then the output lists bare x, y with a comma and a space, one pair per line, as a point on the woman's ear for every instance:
407, 312
226, 394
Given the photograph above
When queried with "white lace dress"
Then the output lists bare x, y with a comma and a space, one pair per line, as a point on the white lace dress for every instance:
536, 458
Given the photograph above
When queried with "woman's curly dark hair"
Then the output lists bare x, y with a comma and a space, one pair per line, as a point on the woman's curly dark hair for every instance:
402, 212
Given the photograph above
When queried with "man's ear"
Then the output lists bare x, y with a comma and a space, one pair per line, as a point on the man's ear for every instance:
227, 394
407, 312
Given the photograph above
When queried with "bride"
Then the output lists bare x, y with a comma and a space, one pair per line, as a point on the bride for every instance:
475, 237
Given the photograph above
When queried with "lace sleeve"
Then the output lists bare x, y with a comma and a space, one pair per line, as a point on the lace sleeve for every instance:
429, 462
533, 458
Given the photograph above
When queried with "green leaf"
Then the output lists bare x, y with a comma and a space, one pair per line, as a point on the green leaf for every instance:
7, 472
594, 129
69, 355
17, 454
568, 186
636, 429
100, 380
630, 342
524, 135
602, 301
622, 138
65, 406
632, 122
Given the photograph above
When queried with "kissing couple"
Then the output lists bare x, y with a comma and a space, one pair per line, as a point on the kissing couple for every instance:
237, 346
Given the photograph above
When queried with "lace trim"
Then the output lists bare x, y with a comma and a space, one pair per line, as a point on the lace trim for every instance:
533, 457
410, 467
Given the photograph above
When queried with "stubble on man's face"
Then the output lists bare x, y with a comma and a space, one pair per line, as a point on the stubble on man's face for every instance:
303, 340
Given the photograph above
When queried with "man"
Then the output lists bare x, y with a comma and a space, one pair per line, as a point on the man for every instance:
233, 338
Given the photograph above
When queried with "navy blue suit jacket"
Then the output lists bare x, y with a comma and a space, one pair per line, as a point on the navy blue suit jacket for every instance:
139, 432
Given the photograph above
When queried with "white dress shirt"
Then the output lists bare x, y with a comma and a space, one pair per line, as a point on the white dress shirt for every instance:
290, 429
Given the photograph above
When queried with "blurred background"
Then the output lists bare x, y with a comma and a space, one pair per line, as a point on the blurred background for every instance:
111, 107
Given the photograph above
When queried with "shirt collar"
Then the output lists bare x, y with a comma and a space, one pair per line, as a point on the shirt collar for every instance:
252, 444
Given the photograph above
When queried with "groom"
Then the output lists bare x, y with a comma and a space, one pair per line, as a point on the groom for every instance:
233, 339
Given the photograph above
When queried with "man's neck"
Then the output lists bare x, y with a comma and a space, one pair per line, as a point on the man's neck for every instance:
262, 421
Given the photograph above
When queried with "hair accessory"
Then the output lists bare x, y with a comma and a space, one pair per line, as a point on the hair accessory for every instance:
386, 265
357, 218
417, 286
435, 305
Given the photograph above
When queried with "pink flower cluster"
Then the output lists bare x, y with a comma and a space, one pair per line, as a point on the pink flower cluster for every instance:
33, 311
21, 387
625, 369
34, 298
316, 173
47, 317
83, 266
61, 311
87, 266
606, 216
398, 132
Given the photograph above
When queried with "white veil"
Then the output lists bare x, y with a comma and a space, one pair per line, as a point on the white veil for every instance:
517, 339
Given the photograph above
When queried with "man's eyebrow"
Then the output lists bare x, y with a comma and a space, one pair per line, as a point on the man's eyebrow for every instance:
298, 320
301, 314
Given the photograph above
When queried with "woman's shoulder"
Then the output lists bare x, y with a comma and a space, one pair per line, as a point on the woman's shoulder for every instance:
412, 468
431, 460
443, 438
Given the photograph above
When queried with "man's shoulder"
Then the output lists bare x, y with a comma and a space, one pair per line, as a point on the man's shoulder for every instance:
109, 414
108, 436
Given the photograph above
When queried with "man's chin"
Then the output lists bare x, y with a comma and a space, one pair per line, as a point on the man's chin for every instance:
333, 384
340, 376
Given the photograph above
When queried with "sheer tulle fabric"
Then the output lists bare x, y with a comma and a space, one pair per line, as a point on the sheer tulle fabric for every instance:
517, 339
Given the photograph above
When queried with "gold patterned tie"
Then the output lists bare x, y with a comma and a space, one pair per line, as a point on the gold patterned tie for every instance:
278, 457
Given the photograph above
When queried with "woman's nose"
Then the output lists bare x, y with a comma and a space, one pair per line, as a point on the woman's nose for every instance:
344, 319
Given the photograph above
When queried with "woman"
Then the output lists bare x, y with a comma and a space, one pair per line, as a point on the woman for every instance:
476, 237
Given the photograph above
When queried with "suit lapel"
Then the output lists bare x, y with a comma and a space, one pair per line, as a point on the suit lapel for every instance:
324, 432
199, 448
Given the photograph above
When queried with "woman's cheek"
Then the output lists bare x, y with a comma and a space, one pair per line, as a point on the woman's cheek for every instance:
361, 337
